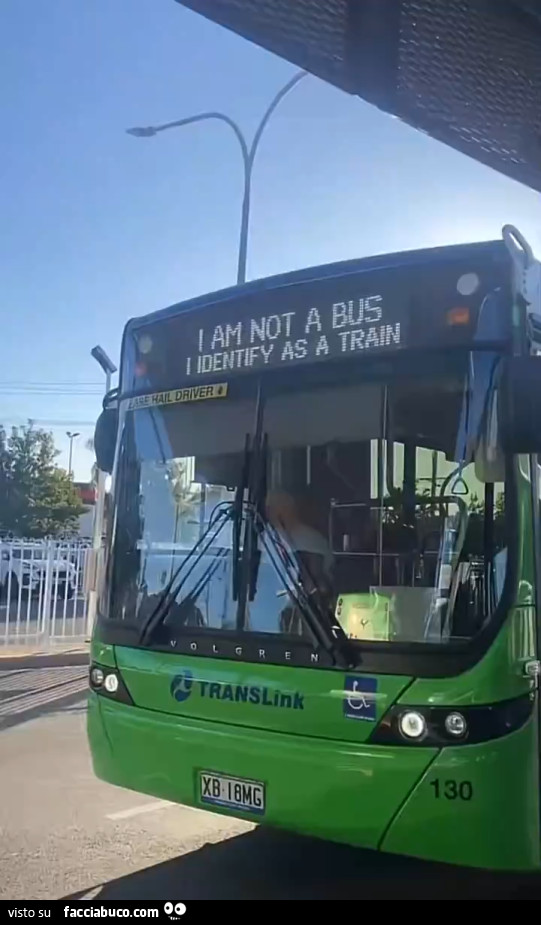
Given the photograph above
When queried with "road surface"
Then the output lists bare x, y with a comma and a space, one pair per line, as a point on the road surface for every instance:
64, 834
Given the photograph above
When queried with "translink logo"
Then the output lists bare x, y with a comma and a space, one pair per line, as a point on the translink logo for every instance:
183, 685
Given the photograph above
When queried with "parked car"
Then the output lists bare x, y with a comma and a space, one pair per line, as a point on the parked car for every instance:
23, 569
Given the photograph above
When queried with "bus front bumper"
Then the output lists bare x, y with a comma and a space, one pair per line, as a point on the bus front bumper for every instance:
403, 800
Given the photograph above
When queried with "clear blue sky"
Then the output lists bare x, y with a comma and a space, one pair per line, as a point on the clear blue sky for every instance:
97, 226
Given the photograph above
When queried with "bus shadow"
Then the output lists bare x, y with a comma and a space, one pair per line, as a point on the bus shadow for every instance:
62, 704
266, 864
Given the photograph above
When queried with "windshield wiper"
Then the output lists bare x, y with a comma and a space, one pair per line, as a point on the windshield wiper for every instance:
188, 603
238, 506
321, 622
318, 616
245, 563
221, 514
259, 518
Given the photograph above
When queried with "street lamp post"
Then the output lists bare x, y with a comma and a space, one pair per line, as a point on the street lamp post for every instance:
107, 365
109, 368
248, 156
71, 437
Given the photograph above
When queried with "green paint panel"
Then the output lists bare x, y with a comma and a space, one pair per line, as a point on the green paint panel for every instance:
498, 676
103, 654
496, 822
308, 702
339, 790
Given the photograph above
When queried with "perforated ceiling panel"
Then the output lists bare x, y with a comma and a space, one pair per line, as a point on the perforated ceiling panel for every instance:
468, 72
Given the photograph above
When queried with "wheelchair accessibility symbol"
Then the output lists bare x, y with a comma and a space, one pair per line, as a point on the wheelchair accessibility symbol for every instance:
360, 698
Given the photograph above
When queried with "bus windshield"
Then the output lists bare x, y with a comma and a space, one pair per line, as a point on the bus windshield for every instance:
374, 485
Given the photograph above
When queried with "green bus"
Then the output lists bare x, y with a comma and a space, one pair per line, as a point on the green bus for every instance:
318, 601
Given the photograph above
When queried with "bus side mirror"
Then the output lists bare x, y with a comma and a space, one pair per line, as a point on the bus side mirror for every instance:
519, 405
105, 436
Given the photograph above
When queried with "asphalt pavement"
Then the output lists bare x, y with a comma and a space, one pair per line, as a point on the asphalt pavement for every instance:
64, 834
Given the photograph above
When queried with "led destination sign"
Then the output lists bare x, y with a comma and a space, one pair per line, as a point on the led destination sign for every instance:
310, 321
327, 320
291, 336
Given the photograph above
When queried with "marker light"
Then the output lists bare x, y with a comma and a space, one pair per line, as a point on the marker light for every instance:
467, 284
455, 725
145, 344
96, 677
412, 725
458, 316
111, 683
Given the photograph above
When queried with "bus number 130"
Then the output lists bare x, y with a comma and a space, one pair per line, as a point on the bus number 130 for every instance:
452, 789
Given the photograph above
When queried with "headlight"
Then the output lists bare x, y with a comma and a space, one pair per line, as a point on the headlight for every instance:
111, 683
108, 683
412, 724
440, 727
97, 677
456, 725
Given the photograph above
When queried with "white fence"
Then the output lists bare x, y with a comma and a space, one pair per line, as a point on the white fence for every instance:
42, 597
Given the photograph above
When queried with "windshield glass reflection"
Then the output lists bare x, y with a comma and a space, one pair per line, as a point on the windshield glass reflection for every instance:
385, 500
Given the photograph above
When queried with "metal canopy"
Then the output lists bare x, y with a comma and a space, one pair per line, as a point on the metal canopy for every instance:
467, 72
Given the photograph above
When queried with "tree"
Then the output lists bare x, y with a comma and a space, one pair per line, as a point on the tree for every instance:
94, 472
37, 498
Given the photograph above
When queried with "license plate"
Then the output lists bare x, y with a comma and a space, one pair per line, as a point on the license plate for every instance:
232, 792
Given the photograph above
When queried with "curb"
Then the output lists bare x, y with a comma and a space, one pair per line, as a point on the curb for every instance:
35, 658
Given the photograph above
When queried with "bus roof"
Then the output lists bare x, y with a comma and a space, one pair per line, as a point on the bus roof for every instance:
454, 252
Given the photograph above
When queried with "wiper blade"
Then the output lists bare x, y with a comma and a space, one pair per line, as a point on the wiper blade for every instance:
238, 505
259, 503
221, 514
230, 511
250, 551
319, 618
188, 603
